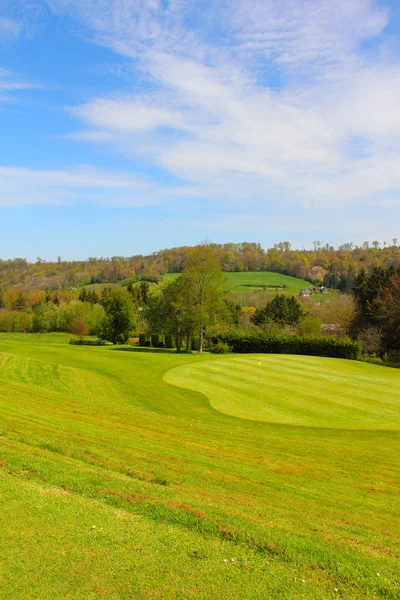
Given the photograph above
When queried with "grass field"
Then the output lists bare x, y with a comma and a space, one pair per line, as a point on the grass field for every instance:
240, 282
258, 279
248, 288
257, 288
117, 482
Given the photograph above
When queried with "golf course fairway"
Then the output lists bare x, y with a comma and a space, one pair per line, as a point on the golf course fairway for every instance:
131, 473
297, 390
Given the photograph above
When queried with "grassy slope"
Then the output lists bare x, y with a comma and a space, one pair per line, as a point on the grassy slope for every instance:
95, 436
246, 288
240, 281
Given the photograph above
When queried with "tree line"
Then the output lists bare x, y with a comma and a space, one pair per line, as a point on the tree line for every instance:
335, 268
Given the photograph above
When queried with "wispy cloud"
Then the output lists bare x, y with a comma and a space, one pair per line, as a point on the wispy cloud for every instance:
250, 103
21, 186
8, 29
9, 82
306, 33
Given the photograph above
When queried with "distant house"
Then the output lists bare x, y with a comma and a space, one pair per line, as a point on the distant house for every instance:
330, 329
305, 292
323, 289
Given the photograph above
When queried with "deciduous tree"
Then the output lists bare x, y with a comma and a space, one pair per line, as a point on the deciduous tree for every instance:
120, 316
208, 287
80, 328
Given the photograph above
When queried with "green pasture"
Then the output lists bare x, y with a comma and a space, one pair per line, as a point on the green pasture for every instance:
256, 288
250, 288
241, 282
135, 473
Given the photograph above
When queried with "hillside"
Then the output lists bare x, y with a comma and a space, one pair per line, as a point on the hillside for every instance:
337, 268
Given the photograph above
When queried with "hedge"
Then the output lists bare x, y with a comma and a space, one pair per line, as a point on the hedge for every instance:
169, 340
89, 342
290, 344
157, 340
144, 339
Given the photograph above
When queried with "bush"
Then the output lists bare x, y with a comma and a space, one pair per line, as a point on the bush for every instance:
80, 328
370, 340
310, 326
169, 341
90, 343
290, 344
371, 358
220, 348
144, 340
155, 340
15, 322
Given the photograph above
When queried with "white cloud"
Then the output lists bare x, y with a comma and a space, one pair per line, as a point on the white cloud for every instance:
306, 33
8, 29
10, 84
21, 186
327, 134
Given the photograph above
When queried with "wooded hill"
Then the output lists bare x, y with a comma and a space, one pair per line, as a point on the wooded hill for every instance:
335, 268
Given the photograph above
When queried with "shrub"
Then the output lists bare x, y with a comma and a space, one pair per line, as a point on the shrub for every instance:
220, 348
371, 358
80, 328
142, 339
310, 325
371, 340
89, 342
155, 340
290, 344
15, 322
169, 341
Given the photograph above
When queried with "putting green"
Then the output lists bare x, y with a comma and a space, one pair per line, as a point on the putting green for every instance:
298, 390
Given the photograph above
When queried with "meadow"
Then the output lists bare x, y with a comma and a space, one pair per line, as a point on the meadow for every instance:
248, 288
137, 473
256, 288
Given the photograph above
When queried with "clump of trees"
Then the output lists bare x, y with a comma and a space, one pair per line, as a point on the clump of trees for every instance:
119, 319
377, 295
281, 310
195, 300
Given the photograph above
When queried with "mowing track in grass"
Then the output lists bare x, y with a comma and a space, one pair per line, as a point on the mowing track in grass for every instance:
117, 484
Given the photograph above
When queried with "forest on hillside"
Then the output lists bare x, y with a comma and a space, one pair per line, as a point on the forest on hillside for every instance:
335, 268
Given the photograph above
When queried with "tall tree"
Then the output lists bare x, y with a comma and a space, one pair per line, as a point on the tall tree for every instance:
208, 287
20, 302
386, 310
170, 310
120, 316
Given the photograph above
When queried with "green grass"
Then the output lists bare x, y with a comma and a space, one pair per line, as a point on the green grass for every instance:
297, 390
116, 484
241, 282
247, 288
258, 287
284, 283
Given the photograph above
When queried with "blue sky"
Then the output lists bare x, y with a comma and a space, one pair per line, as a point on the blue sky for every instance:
127, 126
